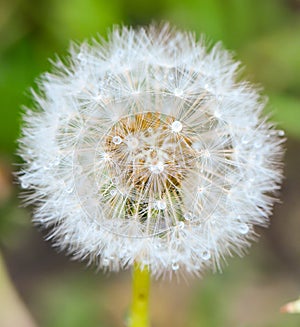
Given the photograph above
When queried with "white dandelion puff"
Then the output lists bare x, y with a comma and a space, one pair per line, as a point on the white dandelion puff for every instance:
146, 148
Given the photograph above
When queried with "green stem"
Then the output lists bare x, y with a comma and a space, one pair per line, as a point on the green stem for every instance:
140, 298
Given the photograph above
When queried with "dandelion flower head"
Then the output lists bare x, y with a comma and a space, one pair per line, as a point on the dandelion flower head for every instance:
146, 148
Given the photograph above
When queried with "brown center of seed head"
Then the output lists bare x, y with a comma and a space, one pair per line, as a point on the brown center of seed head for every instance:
150, 153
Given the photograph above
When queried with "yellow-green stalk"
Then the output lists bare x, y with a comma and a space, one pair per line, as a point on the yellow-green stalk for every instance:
139, 315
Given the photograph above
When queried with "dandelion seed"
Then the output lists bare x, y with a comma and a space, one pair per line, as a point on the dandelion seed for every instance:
176, 126
147, 148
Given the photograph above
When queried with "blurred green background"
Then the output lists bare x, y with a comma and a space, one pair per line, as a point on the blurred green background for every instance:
265, 35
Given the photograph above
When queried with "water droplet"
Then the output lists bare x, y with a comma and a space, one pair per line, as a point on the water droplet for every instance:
175, 266
178, 92
188, 216
281, 133
158, 246
105, 262
56, 161
213, 221
98, 97
217, 114
24, 184
171, 77
69, 189
158, 76
245, 140
35, 165
132, 143
161, 205
120, 53
80, 56
117, 140
243, 229
206, 153
157, 168
181, 225
196, 146
105, 156
257, 144
113, 192
200, 190
178, 242
176, 126
205, 255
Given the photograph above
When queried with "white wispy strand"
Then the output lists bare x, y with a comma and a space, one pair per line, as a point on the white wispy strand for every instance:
147, 148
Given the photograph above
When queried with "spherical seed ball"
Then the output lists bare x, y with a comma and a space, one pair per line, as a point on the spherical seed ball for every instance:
147, 148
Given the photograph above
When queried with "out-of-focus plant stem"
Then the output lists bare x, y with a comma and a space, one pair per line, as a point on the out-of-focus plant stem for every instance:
12, 310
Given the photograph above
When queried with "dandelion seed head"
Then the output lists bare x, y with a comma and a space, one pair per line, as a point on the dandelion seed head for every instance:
147, 148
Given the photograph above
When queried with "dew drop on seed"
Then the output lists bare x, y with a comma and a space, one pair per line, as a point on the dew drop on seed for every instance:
206, 153
243, 229
178, 92
132, 143
181, 225
69, 189
35, 165
175, 266
105, 262
24, 185
245, 140
188, 216
113, 192
257, 145
56, 161
157, 168
176, 126
213, 221
158, 246
161, 205
117, 140
171, 77
196, 146
281, 133
200, 190
205, 255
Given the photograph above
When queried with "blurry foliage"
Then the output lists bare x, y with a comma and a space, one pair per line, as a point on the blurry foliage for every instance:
265, 34
76, 296
234, 22
275, 60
